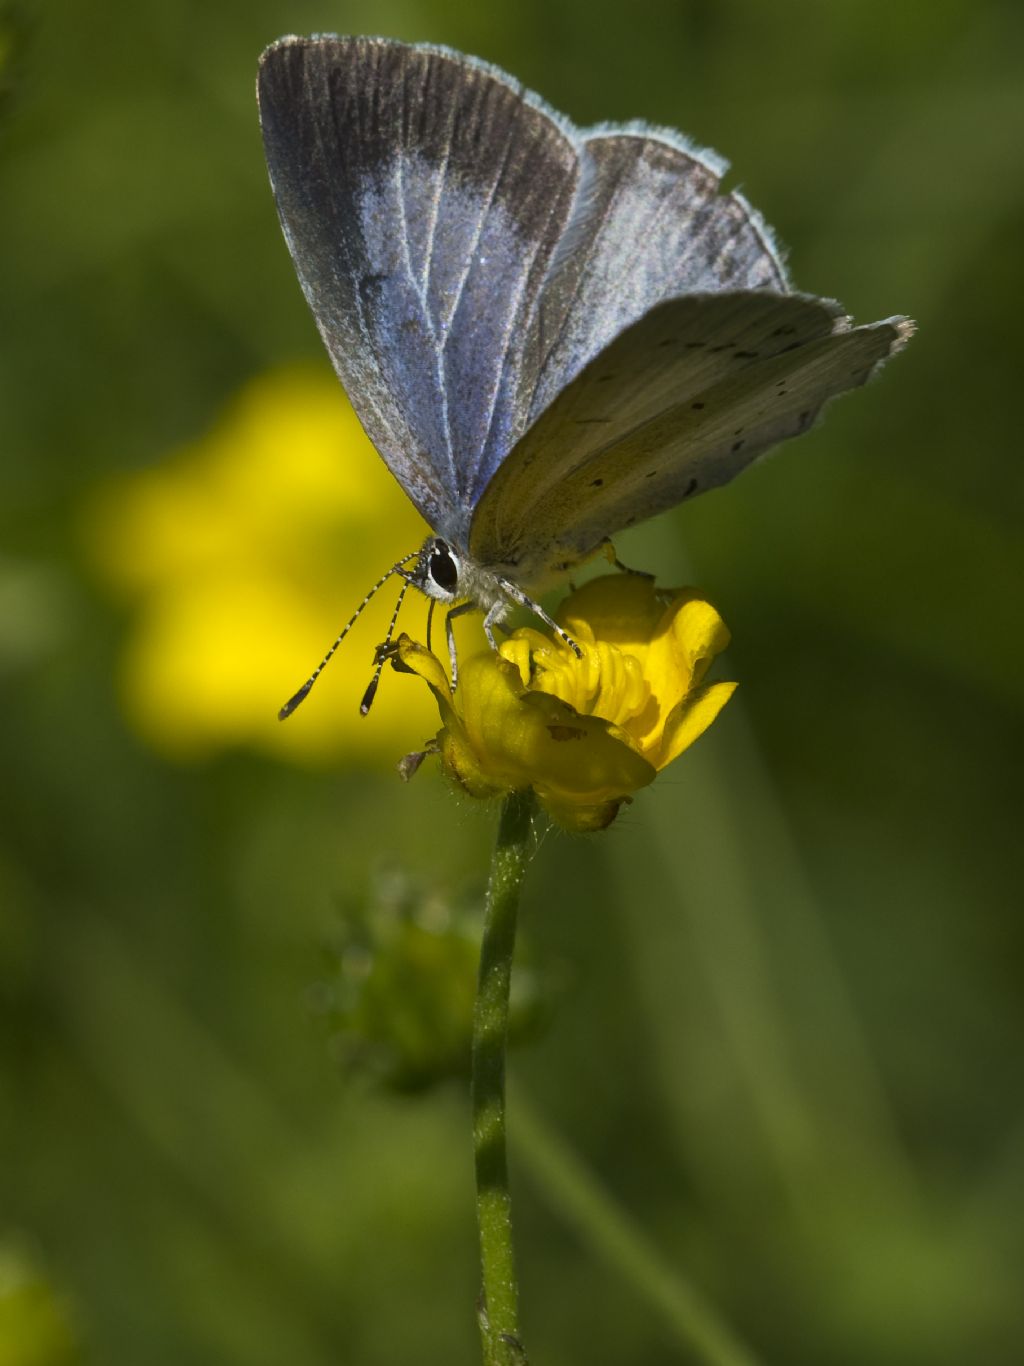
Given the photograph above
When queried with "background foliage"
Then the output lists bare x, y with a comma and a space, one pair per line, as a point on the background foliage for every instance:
788, 1030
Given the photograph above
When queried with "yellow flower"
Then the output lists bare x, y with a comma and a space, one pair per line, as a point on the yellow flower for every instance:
586, 732
240, 556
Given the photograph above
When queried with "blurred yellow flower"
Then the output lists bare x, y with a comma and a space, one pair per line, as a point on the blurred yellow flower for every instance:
585, 732
241, 555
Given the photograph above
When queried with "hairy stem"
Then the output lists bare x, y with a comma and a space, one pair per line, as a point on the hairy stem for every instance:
499, 1303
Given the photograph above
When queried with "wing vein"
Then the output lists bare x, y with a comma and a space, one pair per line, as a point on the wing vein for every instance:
435, 207
478, 233
470, 261
577, 289
496, 394
417, 285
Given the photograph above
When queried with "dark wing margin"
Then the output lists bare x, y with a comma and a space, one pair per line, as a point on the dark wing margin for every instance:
422, 195
680, 402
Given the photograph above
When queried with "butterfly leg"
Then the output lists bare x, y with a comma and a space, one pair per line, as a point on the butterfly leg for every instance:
517, 595
494, 618
609, 553
449, 632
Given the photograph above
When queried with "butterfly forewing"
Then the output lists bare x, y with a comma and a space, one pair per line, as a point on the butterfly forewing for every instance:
422, 195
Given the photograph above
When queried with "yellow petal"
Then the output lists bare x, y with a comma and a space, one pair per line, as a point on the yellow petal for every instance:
700, 635
419, 660
684, 643
581, 758
690, 719
622, 609
531, 738
459, 760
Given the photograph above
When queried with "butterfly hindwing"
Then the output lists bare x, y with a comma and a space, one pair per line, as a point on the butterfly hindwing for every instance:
422, 195
679, 403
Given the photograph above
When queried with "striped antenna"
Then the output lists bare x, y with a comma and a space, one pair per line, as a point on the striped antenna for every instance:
303, 692
383, 653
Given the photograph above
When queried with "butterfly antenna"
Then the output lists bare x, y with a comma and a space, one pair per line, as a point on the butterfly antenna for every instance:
383, 653
303, 692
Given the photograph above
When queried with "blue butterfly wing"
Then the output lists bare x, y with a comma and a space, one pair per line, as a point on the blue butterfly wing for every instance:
422, 196
515, 307
649, 224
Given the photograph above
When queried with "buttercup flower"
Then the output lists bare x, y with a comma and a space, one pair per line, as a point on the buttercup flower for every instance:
586, 732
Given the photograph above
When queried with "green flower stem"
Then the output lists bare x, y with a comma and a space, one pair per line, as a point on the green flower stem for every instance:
499, 1303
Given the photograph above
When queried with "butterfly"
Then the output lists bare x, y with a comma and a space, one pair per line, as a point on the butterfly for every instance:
549, 333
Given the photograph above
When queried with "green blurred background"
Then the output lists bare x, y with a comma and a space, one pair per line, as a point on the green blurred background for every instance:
787, 1036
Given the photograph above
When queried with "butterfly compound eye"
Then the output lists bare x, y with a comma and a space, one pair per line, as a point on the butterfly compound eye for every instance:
443, 567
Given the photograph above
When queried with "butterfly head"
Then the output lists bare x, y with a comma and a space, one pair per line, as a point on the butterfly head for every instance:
438, 571
449, 575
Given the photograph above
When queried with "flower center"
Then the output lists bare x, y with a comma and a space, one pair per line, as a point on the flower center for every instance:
604, 682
